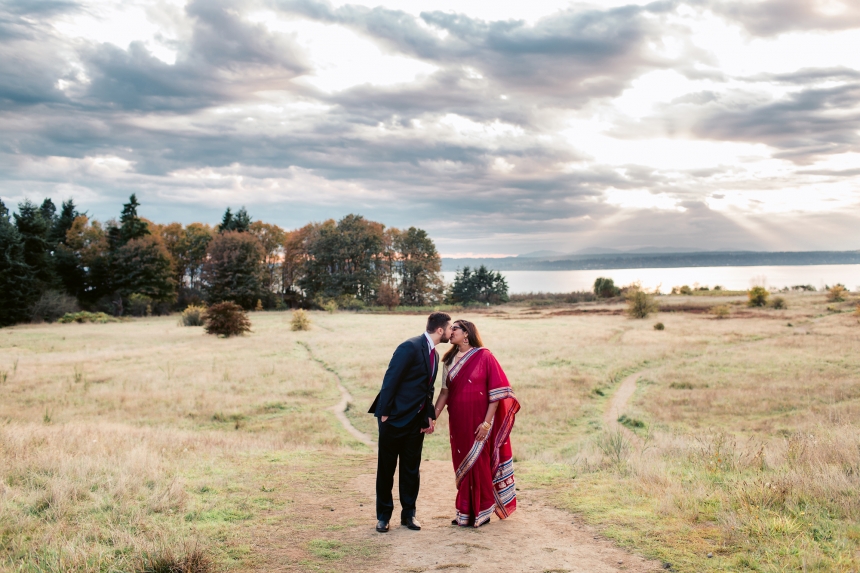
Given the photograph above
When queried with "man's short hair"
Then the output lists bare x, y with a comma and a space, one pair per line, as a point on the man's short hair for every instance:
437, 320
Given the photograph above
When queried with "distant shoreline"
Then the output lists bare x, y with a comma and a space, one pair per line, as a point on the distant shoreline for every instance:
659, 260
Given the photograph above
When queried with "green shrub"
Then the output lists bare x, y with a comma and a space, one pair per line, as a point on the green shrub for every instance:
685, 290
139, 305
626, 420
330, 306
659, 326
778, 303
226, 319
758, 296
192, 315
300, 320
352, 303
84, 316
640, 303
605, 288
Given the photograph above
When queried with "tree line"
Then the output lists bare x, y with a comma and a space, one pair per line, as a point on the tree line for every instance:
55, 261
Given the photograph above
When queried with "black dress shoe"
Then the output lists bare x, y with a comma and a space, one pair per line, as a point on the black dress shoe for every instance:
411, 523
382, 526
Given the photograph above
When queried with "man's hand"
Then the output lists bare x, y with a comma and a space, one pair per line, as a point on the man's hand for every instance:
383, 418
432, 427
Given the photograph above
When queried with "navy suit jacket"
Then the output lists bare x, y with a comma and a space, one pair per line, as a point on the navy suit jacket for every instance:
407, 388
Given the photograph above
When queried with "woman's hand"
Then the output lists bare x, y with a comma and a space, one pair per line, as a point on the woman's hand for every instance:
481, 432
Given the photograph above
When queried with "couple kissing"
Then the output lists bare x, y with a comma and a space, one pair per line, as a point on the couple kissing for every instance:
481, 408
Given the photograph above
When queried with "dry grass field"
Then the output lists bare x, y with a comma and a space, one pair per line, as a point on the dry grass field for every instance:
125, 446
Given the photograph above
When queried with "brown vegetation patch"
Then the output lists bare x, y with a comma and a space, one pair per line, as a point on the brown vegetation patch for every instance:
588, 311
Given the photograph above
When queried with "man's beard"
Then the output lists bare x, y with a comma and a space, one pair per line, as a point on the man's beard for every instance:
444, 340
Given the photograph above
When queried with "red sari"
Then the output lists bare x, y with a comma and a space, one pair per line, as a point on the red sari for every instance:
485, 469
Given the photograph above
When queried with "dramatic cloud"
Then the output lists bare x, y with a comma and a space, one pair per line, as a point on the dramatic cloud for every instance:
707, 124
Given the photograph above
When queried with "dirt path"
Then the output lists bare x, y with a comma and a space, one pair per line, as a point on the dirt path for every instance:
620, 399
536, 538
339, 409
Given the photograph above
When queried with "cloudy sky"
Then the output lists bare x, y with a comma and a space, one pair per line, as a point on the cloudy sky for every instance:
501, 128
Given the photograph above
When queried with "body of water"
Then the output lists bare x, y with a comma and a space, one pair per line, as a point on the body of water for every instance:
732, 278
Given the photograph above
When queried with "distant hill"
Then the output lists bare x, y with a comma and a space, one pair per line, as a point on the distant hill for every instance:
646, 260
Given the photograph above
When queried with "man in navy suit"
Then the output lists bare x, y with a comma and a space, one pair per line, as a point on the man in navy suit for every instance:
405, 412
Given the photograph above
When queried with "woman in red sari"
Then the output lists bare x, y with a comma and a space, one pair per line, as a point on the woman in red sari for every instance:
482, 408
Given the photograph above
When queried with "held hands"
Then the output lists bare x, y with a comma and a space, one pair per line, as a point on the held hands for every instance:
383, 418
431, 428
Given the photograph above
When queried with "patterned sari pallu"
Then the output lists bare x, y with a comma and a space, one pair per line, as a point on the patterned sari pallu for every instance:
484, 469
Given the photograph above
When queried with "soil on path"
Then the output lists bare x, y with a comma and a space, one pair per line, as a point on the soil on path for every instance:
536, 537
620, 399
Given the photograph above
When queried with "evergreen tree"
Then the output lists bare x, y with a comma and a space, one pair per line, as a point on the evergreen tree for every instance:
234, 269
49, 212
240, 221
17, 285
63, 223
65, 265
33, 229
481, 285
226, 221
143, 266
131, 226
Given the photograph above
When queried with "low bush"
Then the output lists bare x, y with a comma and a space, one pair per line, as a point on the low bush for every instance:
659, 326
757, 296
685, 290
330, 306
640, 303
53, 305
192, 315
226, 319
836, 293
721, 311
631, 423
259, 306
194, 561
300, 320
778, 303
84, 316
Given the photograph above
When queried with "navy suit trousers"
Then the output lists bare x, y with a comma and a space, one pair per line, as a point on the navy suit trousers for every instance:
405, 443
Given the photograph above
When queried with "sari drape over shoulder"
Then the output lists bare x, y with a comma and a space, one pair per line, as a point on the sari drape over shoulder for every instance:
484, 469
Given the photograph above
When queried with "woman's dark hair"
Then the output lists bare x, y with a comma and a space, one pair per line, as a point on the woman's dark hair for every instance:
437, 320
472, 335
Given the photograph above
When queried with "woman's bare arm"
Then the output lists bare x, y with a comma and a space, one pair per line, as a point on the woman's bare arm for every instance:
441, 401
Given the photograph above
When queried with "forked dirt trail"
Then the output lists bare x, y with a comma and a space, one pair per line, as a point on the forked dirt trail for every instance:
537, 538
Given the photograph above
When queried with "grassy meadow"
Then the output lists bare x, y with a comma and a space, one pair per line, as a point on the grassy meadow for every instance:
127, 446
